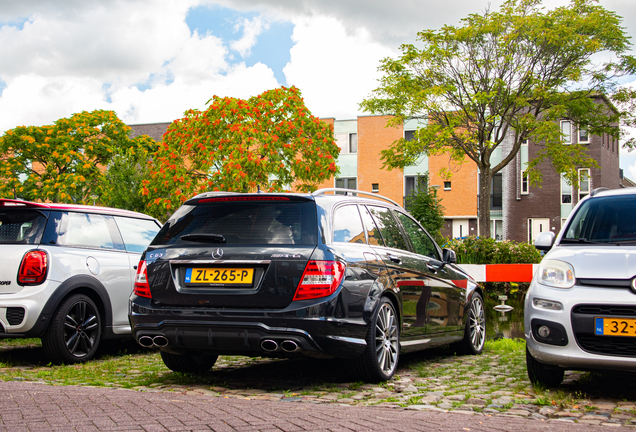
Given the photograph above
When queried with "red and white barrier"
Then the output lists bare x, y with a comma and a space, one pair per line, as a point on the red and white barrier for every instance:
500, 272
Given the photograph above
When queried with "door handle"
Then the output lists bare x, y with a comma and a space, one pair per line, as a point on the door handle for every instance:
393, 258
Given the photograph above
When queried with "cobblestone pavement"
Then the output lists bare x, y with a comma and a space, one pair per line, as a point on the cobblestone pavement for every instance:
486, 385
435, 382
36, 407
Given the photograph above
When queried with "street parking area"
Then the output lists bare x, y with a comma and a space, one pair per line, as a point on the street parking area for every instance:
28, 406
432, 384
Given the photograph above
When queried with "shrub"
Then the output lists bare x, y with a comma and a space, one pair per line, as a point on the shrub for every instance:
476, 250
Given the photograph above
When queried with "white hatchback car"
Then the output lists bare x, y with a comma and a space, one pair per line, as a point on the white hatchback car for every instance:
67, 273
580, 310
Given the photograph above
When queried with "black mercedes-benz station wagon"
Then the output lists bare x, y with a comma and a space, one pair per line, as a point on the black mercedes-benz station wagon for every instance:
328, 274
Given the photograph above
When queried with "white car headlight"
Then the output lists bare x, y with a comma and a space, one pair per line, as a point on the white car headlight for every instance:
554, 273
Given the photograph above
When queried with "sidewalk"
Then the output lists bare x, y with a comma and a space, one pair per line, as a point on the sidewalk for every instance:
33, 407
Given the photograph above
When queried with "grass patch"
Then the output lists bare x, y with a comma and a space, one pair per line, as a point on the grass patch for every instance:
505, 346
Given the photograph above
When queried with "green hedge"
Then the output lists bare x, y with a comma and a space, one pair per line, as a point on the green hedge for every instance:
476, 250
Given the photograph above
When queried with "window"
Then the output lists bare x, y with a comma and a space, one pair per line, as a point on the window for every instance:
243, 222
524, 183
389, 227
348, 142
346, 183
447, 185
496, 229
88, 230
353, 143
421, 242
496, 192
347, 226
566, 191
414, 184
22, 226
375, 187
373, 233
584, 137
566, 131
137, 233
584, 182
409, 135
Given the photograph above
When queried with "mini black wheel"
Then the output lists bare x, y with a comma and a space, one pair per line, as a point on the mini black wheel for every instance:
190, 363
380, 358
75, 331
475, 331
549, 376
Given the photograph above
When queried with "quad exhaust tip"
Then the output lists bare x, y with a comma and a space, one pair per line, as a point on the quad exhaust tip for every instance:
145, 341
149, 341
289, 346
160, 341
269, 345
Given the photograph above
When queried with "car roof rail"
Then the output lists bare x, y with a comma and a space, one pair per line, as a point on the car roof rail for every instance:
354, 191
597, 190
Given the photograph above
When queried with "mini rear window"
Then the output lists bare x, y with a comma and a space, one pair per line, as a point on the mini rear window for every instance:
238, 222
21, 226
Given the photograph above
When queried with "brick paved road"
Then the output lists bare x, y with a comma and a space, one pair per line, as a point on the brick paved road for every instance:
36, 407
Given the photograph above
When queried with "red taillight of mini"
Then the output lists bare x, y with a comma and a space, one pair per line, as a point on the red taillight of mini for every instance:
33, 268
141, 288
320, 279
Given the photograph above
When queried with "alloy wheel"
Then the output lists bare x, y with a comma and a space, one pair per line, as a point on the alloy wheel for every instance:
386, 339
81, 329
477, 324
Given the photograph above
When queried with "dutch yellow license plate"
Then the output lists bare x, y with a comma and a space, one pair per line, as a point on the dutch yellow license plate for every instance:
615, 326
224, 276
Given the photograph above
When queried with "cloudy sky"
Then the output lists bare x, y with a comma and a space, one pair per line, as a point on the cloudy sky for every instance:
150, 60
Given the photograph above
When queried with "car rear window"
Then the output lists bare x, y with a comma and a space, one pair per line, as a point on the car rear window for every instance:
22, 226
250, 222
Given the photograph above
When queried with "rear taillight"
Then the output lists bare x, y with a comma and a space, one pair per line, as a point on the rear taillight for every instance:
33, 268
320, 279
141, 288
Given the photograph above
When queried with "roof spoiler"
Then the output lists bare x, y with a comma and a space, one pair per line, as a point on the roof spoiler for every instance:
20, 203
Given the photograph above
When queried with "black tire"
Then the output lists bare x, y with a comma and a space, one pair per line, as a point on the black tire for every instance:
475, 331
189, 363
548, 376
74, 332
380, 358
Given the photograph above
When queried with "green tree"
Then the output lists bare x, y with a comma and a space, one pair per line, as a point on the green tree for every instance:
426, 206
123, 180
504, 77
65, 161
271, 141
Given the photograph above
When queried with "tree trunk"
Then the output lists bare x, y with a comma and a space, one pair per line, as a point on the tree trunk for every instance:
485, 182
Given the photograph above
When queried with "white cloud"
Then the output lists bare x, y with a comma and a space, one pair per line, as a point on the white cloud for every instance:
62, 62
139, 57
334, 69
251, 30
632, 171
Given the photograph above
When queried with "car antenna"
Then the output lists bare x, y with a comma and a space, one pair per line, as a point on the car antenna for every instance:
258, 188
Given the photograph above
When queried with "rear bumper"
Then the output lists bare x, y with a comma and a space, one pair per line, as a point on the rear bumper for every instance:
249, 333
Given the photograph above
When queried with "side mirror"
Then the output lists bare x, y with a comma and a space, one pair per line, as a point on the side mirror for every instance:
544, 241
449, 256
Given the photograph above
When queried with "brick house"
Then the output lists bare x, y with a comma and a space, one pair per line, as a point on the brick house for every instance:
518, 211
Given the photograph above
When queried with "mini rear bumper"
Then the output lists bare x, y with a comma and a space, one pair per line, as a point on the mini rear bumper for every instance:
250, 333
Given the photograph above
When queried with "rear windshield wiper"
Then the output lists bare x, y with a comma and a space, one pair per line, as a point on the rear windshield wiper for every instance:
209, 238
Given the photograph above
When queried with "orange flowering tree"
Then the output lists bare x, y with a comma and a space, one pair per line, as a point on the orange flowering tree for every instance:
271, 141
65, 161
